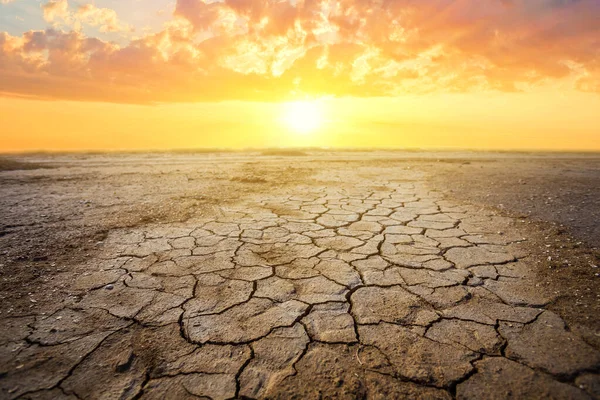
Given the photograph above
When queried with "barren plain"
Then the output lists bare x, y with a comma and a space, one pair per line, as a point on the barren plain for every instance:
300, 274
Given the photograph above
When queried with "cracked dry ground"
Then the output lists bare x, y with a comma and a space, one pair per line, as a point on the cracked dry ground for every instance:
366, 288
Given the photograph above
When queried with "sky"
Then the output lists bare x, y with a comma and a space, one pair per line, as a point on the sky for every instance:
161, 74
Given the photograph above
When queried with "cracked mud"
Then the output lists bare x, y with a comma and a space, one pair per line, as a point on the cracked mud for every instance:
355, 284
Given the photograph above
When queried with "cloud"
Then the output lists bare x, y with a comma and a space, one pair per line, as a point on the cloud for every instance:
272, 50
59, 13
56, 10
104, 18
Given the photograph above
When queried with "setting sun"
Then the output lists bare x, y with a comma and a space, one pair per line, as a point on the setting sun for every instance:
303, 116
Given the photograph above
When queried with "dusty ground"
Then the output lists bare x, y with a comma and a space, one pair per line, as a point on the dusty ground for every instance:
324, 275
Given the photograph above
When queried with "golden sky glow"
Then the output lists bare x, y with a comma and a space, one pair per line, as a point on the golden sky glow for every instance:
303, 117
119, 74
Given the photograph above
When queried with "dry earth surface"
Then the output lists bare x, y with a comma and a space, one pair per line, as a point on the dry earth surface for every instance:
300, 275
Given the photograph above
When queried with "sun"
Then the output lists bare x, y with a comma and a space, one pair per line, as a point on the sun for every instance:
302, 116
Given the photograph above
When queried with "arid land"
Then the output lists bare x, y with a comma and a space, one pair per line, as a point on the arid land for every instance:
300, 274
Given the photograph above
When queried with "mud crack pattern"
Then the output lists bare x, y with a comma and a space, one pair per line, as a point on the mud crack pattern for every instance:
378, 290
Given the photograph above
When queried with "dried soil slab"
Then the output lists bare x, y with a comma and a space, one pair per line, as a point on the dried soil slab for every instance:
331, 323
222, 246
472, 256
490, 313
221, 228
484, 271
433, 279
441, 297
404, 215
519, 292
98, 279
120, 365
167, 268
215, 294
36, 368
360, 226
192, 386
205, 264
499, 379
170, 232
448, 233
163, 310
430, 224
183, 243
438, 264
51, 394
447, 243
273, 361
243, 323
371, 305
398, 239
590, 383
402, 230
121, 301
416, 251
387, 277
67, 325
284, 253
371, 247
336, 372
340, 272
249, 274
371, 263
336, 221
339, 243
547, 345
311, 290
135, 264
15, 329
417, 358
208, 359
117, 371
477, 337
298, 269
141, 280
409, 260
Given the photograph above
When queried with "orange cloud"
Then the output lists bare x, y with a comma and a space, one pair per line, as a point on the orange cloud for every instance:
58, 12
55, 10
251, 49
104, 18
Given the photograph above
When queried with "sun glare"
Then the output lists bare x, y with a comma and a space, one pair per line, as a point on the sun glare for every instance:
302, 116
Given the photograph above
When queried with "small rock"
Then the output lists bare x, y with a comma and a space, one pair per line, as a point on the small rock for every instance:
475, 281
109, 287
125, 361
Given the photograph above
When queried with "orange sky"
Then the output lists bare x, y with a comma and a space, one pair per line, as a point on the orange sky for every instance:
108, 74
